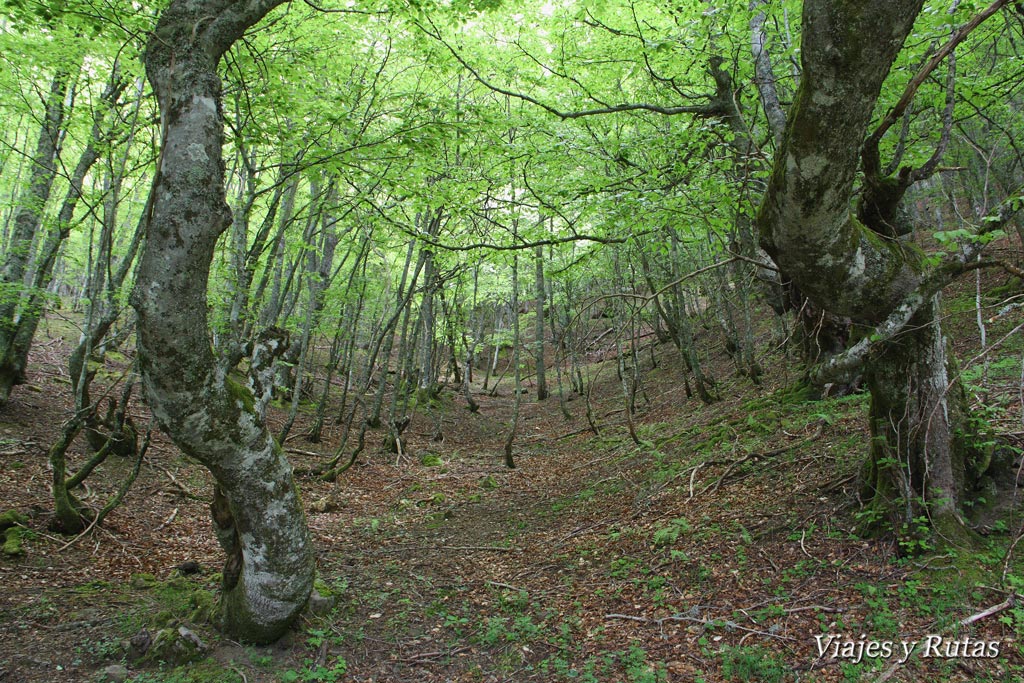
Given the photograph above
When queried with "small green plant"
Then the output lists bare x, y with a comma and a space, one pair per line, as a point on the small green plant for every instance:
317, 674
668, 535
261, 661
638, 670
752, 663
103, 650
206, 671
514, 601
915, 537
622, 567
880, 618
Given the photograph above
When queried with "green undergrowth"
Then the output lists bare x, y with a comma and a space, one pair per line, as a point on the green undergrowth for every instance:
761, 425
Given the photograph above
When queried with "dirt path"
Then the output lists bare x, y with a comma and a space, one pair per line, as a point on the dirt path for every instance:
715, 550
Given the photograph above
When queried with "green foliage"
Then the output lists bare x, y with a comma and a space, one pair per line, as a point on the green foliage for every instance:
752, 663
12, 518
316, 673
668, 535
431, 460
206, 671
12, 542
880, 618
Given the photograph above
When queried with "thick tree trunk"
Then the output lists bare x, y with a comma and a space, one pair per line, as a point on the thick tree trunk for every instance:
918, 474
257, 511
917, 477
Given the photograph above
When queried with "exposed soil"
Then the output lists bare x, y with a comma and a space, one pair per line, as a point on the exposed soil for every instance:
715, 550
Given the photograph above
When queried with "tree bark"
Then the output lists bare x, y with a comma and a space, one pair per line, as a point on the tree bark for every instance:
518, 390
805, 219
918, 473
257, 512
542, 383
27, 222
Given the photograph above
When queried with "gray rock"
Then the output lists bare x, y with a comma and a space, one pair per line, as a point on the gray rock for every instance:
176, 646
321, 604
115, 673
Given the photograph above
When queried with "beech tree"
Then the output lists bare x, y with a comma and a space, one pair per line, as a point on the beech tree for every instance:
853, 262
257, 512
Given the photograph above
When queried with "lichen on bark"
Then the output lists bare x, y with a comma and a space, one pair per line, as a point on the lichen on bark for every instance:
211, 417
917, 474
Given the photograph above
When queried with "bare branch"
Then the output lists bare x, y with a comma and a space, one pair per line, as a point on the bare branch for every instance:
712, 108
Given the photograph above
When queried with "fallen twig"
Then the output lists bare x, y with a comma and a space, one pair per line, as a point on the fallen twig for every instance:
170, 520
424, 657
299, 451
994, 609
182, 489
706, 622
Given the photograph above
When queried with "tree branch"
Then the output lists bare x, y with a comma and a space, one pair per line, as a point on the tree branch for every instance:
869, 151
841, 365
712, 108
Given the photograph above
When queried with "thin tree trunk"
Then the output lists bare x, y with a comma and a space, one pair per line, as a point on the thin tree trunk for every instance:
517, 401
542, 384
27, 222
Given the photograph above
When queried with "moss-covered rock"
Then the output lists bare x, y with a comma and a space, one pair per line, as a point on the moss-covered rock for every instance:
11, 518
12, 542
175, 647
203, 607
142, 581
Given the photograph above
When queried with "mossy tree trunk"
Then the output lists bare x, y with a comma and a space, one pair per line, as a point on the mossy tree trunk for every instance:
257, 511
18, 250
849, 264
918, 473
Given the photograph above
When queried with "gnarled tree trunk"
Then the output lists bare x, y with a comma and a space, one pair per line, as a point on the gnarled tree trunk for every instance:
257, 512
917, 473
849, 265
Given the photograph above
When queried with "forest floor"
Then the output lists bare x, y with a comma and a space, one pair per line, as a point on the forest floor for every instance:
719, 548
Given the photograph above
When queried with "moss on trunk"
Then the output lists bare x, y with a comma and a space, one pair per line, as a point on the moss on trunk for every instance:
260, 522
918, 477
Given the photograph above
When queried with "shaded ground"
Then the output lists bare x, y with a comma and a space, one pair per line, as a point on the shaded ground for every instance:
716, 549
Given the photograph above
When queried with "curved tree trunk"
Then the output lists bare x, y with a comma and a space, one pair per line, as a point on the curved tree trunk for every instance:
257, 512
849, 264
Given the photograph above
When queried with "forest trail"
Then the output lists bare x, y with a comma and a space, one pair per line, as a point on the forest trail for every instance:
715, 549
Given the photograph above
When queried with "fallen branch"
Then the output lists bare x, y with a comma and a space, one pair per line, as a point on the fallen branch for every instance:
994, 609
170, 520
424, 657
182, 490
299, 451
706, 622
